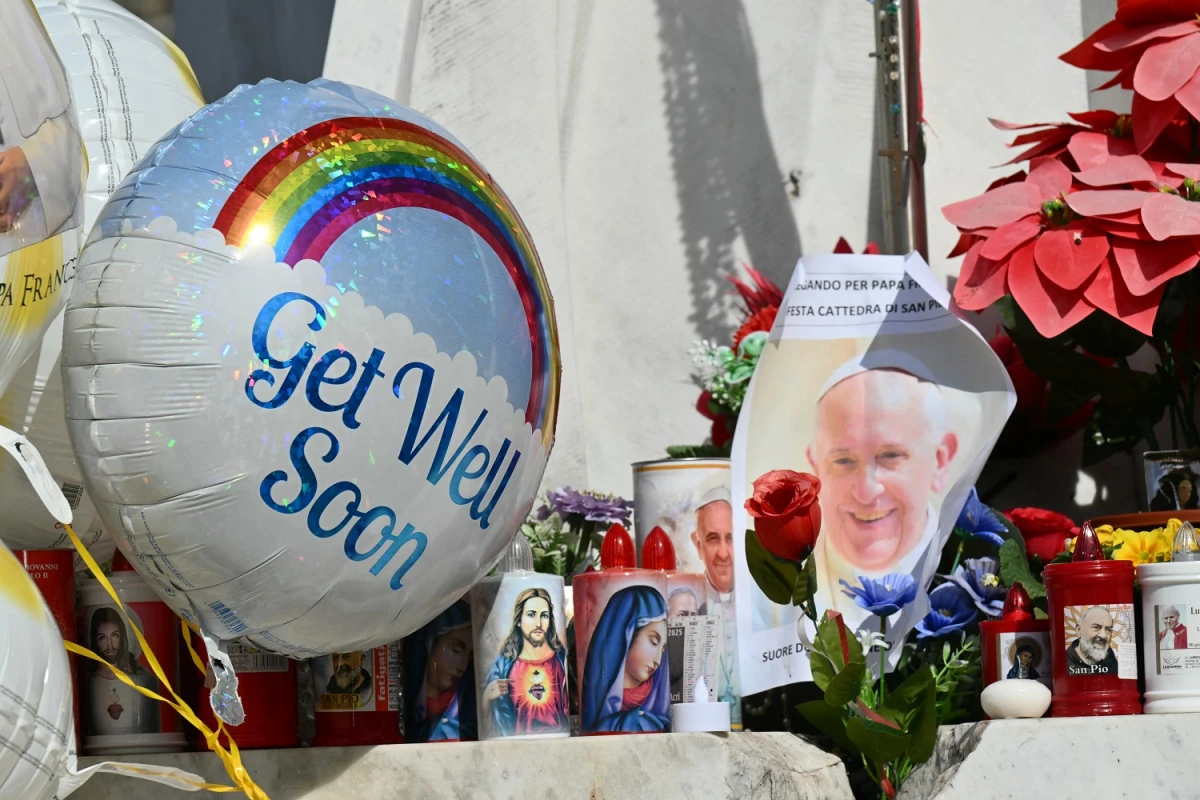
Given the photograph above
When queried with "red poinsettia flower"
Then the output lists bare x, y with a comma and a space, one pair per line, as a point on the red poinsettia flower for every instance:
1154, 47
1107, 236
1050, 139
843, 248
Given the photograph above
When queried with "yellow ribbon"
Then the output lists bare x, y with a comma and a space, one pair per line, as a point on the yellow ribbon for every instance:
229, 757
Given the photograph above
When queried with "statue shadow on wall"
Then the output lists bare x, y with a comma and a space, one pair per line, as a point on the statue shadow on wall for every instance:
728, 179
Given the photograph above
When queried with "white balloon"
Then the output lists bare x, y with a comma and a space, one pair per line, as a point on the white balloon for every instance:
37, 726
311, 369
41, 186
36, 723
130, 85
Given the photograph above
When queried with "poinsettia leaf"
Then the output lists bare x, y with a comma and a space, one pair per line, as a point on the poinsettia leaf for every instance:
877, 742
828, 720
1108, 292
1107, 202
1064, 399
1167, 215
1014, 568
1151, 118
1175, 299
1111, 431
1106, 337
1117, 170
1052, 309
1144, 34
1166, 66
1147, 265
774, 576
846, 684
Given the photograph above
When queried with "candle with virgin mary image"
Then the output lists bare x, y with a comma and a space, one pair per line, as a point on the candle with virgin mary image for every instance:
439, 679
621, 630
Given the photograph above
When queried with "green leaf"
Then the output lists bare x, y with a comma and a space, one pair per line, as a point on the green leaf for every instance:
695, 451
822, 671
1015, 569
1039, 614
828, 637
1107, 337
777, 578
908, 696
879, 743
923, 727
1111, 431
829, 720
806, 582
846, 684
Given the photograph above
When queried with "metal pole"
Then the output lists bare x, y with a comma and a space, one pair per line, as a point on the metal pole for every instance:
916, 142
889, 129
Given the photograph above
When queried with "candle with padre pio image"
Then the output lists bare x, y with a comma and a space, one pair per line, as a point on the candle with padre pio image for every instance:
520, 650
621, 632
439, 679
1092, 635
1171, 626
357, 697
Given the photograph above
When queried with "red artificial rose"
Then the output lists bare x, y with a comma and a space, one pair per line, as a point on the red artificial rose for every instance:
786, 512
1045, 532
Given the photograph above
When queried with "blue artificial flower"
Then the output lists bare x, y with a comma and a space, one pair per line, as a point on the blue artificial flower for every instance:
950, 610
981, 579
885, 596
978, 521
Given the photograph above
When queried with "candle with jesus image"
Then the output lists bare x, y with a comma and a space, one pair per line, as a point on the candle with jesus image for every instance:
519, 629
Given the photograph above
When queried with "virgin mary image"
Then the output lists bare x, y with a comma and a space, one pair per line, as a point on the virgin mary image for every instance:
626, 686
440, 678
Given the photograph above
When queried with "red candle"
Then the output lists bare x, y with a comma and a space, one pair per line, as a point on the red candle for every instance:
53, 572
1092, 633
1016, 645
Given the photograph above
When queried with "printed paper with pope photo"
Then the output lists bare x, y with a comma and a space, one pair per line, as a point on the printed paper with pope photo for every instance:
870, 384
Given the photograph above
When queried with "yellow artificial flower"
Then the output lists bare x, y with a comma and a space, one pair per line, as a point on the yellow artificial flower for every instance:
1143, 547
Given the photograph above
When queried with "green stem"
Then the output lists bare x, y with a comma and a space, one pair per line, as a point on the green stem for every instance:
957, 555
883, 660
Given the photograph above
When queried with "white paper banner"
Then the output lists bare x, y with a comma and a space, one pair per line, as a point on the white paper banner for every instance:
869, 382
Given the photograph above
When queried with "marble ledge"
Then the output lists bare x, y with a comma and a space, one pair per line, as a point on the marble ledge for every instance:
1145, 756
691, 766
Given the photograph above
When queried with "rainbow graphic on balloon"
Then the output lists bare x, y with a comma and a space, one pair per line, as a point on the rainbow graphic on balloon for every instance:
315, 185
